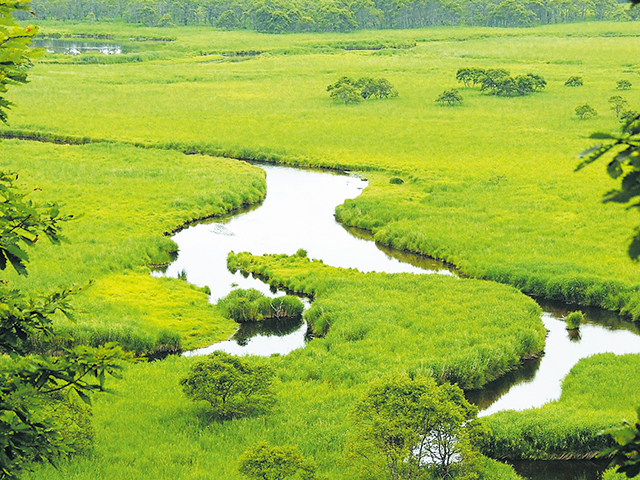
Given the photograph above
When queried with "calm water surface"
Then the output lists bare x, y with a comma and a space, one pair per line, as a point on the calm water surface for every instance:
298, 213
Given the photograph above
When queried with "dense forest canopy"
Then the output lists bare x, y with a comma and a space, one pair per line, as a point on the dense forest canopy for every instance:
281, 16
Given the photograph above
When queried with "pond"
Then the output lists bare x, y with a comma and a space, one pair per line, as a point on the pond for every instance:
73, 47
298, 212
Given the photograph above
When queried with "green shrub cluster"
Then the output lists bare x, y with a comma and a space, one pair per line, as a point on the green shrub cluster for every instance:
497, 81
574, 320
251, 305
347, 90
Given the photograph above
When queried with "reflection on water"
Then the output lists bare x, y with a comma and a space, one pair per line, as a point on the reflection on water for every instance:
560, 469
72, 47
563, 349
264, 338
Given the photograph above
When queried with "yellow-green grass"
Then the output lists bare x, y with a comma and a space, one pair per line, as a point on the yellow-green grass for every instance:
146, 428
126, 200
599, 392
490, 184
471, 335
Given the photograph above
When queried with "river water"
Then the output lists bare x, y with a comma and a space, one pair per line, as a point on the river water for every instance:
298, 212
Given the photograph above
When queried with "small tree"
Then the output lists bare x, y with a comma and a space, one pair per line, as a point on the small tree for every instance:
234, 387
449, 97
348, 90
619, 105
345, 91
585, 111
263, 462
623, 85
575, 81
408, 427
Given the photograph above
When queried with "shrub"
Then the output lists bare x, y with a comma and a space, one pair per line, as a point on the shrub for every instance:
585, 111
574, 81
574, 319
301, 253
450, 98
348, 90
623, 85
234, 387
396, 181
275, 463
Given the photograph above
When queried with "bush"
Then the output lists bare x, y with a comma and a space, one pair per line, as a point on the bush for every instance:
396, 181
574, 81
585, 111
286, 307
275, 463
450, 98
574, 319
234, 387
348, 90
623, 85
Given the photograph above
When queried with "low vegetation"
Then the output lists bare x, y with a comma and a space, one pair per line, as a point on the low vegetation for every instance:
252, 306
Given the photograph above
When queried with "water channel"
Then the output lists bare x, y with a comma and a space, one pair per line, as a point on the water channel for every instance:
298, 213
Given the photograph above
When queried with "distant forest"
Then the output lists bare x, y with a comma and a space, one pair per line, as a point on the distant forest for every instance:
281, 16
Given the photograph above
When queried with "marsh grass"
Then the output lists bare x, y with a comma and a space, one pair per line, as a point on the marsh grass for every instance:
489, 186
126, 200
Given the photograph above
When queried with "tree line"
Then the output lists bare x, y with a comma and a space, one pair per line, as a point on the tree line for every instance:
282, 16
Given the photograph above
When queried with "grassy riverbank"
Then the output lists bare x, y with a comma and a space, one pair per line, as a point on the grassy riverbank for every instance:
126, 199
489, 185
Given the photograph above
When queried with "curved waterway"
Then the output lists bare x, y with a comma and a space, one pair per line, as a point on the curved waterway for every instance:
298, 212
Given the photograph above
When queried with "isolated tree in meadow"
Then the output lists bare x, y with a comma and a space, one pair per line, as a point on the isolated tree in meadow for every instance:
406, 428
623, 85
233, 386
450, 97
264, 462
574, 81
585, 111
347, 90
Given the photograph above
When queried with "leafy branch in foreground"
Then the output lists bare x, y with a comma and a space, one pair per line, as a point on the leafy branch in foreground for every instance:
624, 151
626, 456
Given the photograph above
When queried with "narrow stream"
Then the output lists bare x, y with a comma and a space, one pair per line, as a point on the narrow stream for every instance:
298, 213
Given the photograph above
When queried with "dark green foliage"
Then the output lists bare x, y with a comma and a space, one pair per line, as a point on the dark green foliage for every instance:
585, 111
407, 426
15, 47
278, 16
345, 91
301, 252
623, 85
396, 181
348, 90
574, 81
497, 81
449, 97
264, 462
251, 306
624, 150
234, 387
626, 454
574, 319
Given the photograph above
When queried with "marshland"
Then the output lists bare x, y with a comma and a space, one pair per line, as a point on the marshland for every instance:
144, 144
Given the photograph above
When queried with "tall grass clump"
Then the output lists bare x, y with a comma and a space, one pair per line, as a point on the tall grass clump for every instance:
574, 320
251, 305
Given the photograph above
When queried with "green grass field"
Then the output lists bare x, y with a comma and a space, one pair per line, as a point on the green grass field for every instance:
489, 186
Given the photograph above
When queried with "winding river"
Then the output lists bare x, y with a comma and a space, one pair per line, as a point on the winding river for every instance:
298, 212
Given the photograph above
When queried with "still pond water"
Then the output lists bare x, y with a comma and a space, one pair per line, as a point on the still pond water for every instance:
298, 213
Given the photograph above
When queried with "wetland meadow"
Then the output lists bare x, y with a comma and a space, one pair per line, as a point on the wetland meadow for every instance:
169, 131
